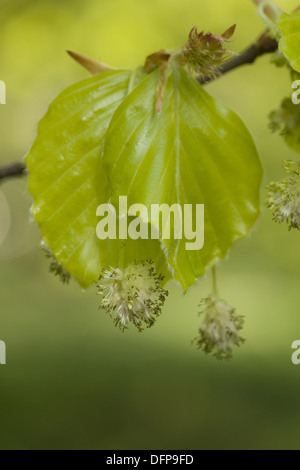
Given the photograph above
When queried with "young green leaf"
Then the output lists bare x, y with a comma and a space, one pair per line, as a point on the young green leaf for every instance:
68, 184
195, 151
289, 43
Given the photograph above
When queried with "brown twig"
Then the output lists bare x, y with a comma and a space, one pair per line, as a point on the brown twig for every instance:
12, 171
264, 45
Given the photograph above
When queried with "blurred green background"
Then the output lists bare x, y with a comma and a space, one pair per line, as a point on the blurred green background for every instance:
73, 381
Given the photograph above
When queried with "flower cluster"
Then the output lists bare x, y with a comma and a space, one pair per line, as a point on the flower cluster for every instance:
284, 196
286, 120
133, 295
219, 331
205, 53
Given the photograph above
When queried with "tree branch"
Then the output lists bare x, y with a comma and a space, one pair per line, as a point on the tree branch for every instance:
264, 45
12, 171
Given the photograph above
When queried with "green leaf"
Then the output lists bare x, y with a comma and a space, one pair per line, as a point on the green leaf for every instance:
195, 151
68, 184
289, 43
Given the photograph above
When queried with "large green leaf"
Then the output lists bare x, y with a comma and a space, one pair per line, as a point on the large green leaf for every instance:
196, 151
67, 182
289, 43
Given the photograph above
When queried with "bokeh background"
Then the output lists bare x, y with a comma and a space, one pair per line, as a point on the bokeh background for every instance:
72, 381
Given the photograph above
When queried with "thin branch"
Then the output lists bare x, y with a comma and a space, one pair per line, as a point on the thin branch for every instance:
12, 171
264, 45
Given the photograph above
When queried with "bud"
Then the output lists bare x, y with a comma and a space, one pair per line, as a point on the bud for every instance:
284, 196
133, 295
205, 53
93, 66
219, 331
